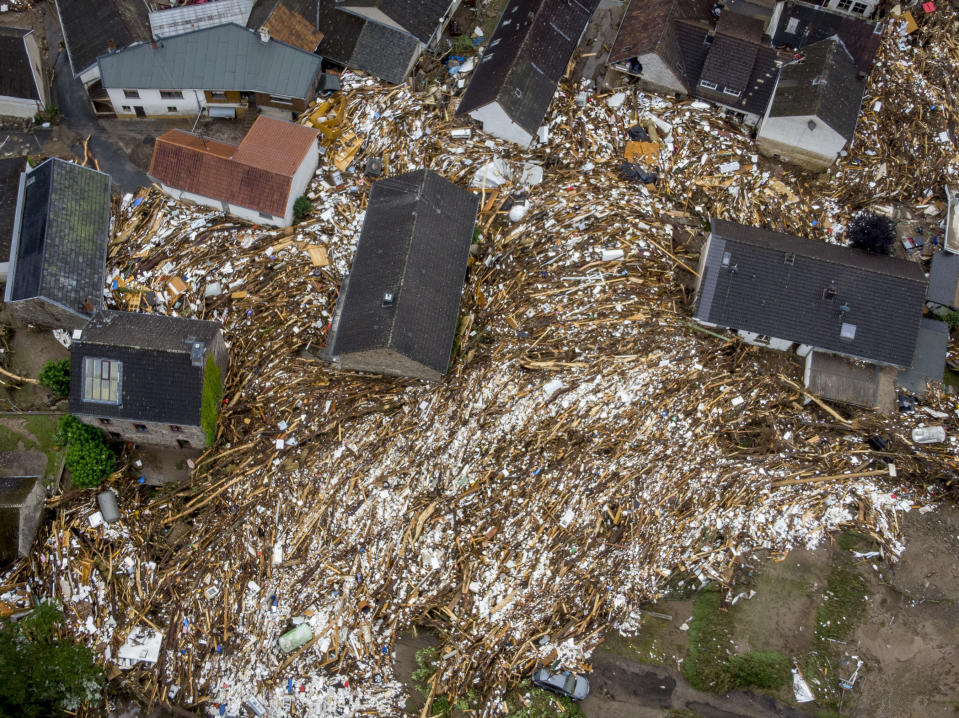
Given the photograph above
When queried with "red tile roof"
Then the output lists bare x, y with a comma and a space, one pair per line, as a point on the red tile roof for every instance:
257, 175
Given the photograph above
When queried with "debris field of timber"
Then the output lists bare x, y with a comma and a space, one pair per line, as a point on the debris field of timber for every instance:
587, 444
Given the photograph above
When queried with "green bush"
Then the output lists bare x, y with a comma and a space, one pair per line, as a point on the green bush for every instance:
952, 319
760, 669
55, 376
88, 457
463, 45
41, 675
709, 641
212, 396
302, 208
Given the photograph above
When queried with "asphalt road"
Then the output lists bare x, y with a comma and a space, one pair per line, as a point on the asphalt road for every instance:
79, 118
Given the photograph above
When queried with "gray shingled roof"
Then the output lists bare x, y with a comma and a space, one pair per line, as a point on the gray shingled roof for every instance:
526, 58
16, 77
420, 18
929, 361
944, 279
158, 381
809, 24
89, 26
61, 248
826, 84
806, 291
384, 52
226, 57
414, 243
148, 331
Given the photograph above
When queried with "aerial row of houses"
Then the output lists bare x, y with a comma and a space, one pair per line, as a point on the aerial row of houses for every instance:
795, 71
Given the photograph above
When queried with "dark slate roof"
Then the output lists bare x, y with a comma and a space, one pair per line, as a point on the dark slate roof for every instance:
646, 23
415, 242
16, 77
384, 52
826, 85
813, 24
526, 57
929, 360
420, 18
758, 291
944, 280
10, 169
148, 331
341, 31
264, 8
64, 231
729, 60
158, 380
90, 25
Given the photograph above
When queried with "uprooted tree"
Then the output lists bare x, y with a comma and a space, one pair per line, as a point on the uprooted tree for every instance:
871, 232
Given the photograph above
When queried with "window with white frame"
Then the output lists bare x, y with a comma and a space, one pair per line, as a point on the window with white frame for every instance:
708, 85
844, 5
859, 8
101, 380
731, 92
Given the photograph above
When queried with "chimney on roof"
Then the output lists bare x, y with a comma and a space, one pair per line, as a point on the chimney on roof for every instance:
111, 46
264, 35
154, 45
197, 350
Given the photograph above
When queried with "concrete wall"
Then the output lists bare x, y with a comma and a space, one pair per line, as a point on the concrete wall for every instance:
791, 139
30, 514
497, 123
771, 343
156, 434
386, 361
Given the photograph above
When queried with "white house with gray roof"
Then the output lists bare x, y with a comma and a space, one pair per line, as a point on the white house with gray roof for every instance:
220, 70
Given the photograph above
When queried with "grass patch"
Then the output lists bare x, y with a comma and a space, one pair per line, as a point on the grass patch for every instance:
43, 427
40, 427
709, 640
843, 608
850, 540
709, 665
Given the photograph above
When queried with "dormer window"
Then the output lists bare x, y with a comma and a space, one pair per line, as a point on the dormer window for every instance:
101, 380
706, 84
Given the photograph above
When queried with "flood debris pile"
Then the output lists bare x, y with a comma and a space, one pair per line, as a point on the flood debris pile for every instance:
587, 444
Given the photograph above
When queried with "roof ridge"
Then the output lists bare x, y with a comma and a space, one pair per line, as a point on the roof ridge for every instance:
409, 245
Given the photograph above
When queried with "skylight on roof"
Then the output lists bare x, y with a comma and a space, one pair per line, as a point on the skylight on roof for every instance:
848, 331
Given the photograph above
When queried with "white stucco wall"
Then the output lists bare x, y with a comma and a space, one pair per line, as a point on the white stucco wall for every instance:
657, 72
497, 123
153, 104
777, 135
36, 65
250, 215
301, 180
90, 75
17, 107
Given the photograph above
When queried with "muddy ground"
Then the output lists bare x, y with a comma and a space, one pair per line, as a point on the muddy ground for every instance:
906, 637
